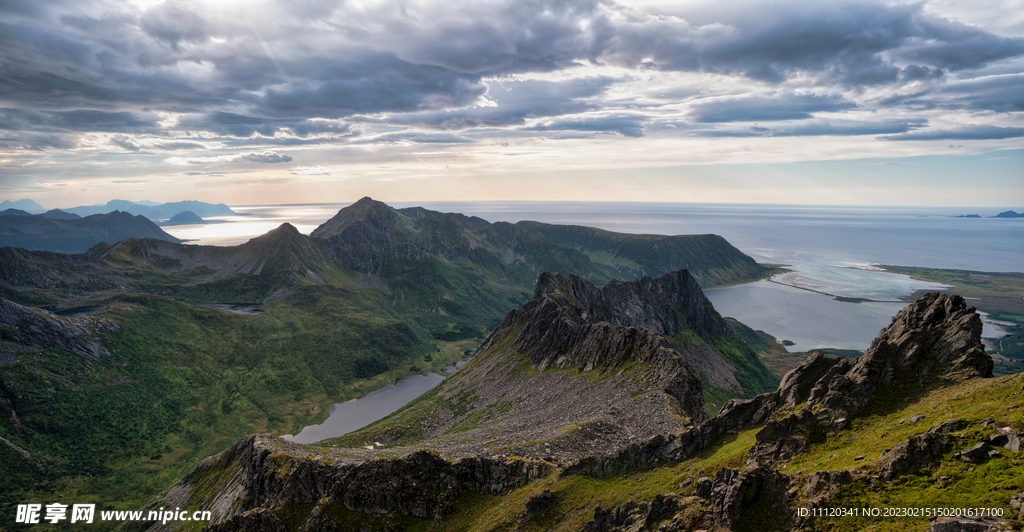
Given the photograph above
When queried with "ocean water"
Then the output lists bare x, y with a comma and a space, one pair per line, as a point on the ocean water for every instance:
788, 234
831, 249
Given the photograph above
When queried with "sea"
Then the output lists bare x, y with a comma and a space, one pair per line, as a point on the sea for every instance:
834, 250
830, 250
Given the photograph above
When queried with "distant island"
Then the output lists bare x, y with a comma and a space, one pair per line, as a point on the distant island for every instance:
155, 211
188, 218
1005, 214
69, 233
26, 205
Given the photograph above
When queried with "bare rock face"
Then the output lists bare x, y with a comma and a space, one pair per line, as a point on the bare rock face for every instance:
932, 342
245, 485
44, 329
570, 323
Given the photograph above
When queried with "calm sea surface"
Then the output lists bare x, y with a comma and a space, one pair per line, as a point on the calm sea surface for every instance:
831, 249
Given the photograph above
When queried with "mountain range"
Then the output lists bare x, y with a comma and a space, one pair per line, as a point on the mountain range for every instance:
154, 211
64, 232
121, 402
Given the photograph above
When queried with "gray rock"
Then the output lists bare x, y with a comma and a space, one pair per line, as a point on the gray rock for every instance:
45, 329
960, 524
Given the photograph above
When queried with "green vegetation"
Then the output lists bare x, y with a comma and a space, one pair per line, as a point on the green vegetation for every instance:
950, 483
384, 294
708, 257
185, 382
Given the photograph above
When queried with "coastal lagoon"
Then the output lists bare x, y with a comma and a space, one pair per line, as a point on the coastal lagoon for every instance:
831, 249
810, 320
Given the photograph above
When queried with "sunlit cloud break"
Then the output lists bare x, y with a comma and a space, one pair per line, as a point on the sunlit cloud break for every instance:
306, 170
251, 157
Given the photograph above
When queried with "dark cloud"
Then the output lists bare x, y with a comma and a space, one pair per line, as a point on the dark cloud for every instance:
235, 125
78, 120
171, 146
33, 141
174, 24
309, 72
514, 102
762, 107
125, 143
972, 132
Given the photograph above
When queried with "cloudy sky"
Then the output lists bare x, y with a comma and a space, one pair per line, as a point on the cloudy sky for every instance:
271, 101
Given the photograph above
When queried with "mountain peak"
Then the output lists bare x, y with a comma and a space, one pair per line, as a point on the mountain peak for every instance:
377, 214
282, 233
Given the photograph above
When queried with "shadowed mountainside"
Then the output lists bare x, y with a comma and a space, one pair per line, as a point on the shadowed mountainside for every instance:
59, 232
122, 409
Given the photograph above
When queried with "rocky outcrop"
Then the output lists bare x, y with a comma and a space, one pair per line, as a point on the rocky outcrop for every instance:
668, 305
931, 342
261, 479
722, 503
39, 328
569, 323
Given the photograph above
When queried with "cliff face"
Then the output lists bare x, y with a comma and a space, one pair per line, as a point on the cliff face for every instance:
569, 323
245, 486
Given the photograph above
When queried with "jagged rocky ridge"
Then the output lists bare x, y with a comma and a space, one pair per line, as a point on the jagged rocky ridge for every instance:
576, 371
931, 343
935, 341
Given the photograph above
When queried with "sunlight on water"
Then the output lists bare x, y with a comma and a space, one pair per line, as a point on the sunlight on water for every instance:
829, 249
256, 220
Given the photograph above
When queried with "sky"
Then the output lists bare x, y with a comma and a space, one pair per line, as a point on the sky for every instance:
297, 101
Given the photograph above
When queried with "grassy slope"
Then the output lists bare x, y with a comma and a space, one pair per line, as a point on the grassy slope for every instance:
989, 485
185, 382
712, 260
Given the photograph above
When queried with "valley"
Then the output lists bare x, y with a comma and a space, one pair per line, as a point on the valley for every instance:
114, 406
627, 390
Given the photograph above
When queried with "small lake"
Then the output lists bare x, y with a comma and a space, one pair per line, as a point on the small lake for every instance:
355, 414
236, 308
73, 312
